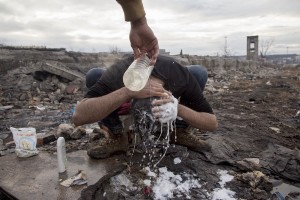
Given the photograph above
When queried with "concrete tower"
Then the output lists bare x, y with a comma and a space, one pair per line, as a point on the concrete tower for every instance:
252, 47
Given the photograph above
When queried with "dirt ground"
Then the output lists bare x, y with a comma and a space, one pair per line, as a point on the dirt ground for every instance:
258, 119
254, 111
249, 109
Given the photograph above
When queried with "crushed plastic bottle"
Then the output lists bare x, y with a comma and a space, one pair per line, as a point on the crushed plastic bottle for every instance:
138, 73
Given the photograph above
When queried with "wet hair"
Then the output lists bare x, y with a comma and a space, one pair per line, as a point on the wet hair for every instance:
144, 121
155, 137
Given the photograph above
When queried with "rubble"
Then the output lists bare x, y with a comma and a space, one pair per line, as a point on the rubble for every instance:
257, 107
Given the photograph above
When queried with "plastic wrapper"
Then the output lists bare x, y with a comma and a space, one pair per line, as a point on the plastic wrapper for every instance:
25, 140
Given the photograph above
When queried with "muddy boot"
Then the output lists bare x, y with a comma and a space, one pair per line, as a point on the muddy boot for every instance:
190, 140
106, 147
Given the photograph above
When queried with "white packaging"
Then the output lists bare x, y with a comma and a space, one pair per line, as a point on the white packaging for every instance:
25, 140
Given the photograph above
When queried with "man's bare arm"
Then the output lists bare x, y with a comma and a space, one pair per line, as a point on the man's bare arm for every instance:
200, 120
91, 110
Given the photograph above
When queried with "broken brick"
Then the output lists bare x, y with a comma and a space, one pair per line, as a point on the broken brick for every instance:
45, 139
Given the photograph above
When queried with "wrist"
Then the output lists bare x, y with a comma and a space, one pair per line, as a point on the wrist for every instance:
179, 110
139, 22
127, 93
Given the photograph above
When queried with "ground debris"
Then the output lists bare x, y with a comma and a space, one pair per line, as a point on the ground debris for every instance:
247, 101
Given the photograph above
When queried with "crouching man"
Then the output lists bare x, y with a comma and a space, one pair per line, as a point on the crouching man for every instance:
169, 83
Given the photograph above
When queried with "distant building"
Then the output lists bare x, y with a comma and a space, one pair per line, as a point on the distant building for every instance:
297, 58
284, 58
163, 52
252, 47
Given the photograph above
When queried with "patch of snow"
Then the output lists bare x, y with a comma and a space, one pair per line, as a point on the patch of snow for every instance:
149, 172
223, 193
147, 182
177, 161
167, 184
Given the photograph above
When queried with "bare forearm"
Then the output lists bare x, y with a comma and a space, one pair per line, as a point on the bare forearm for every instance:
200, 120
95, 109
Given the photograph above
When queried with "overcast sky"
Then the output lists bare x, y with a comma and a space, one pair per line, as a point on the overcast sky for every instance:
198, 27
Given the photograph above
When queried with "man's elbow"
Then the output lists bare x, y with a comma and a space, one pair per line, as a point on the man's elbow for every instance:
215, 125
76, 120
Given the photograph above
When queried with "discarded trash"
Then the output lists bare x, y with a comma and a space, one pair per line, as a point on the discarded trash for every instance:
25, 140
78, 179
41, 107
61, 154
5, 107
277, 130
285, 191
277, 196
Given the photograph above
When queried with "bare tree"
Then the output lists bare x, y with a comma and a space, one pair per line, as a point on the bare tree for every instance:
115, 50
2, 43
265, 46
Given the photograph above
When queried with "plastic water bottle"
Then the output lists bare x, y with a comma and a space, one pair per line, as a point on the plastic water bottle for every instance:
138, 73
61, 154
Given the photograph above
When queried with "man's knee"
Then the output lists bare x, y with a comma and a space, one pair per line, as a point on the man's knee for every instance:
200, 73
198, 70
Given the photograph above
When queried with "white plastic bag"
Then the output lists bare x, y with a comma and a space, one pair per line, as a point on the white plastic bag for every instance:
25, 140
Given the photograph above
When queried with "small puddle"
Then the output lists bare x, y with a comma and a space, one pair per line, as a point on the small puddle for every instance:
285, 189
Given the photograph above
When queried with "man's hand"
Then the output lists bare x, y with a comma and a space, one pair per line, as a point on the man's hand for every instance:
143, 40
151, 89
165, 109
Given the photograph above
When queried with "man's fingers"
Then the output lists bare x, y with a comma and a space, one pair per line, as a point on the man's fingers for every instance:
153, 84
157, 114
136, 52
157, 89
155, 109
154, 54
157, 102
153, 50
161, 94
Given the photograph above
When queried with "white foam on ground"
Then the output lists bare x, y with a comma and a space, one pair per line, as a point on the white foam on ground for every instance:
223, 193
167, 184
